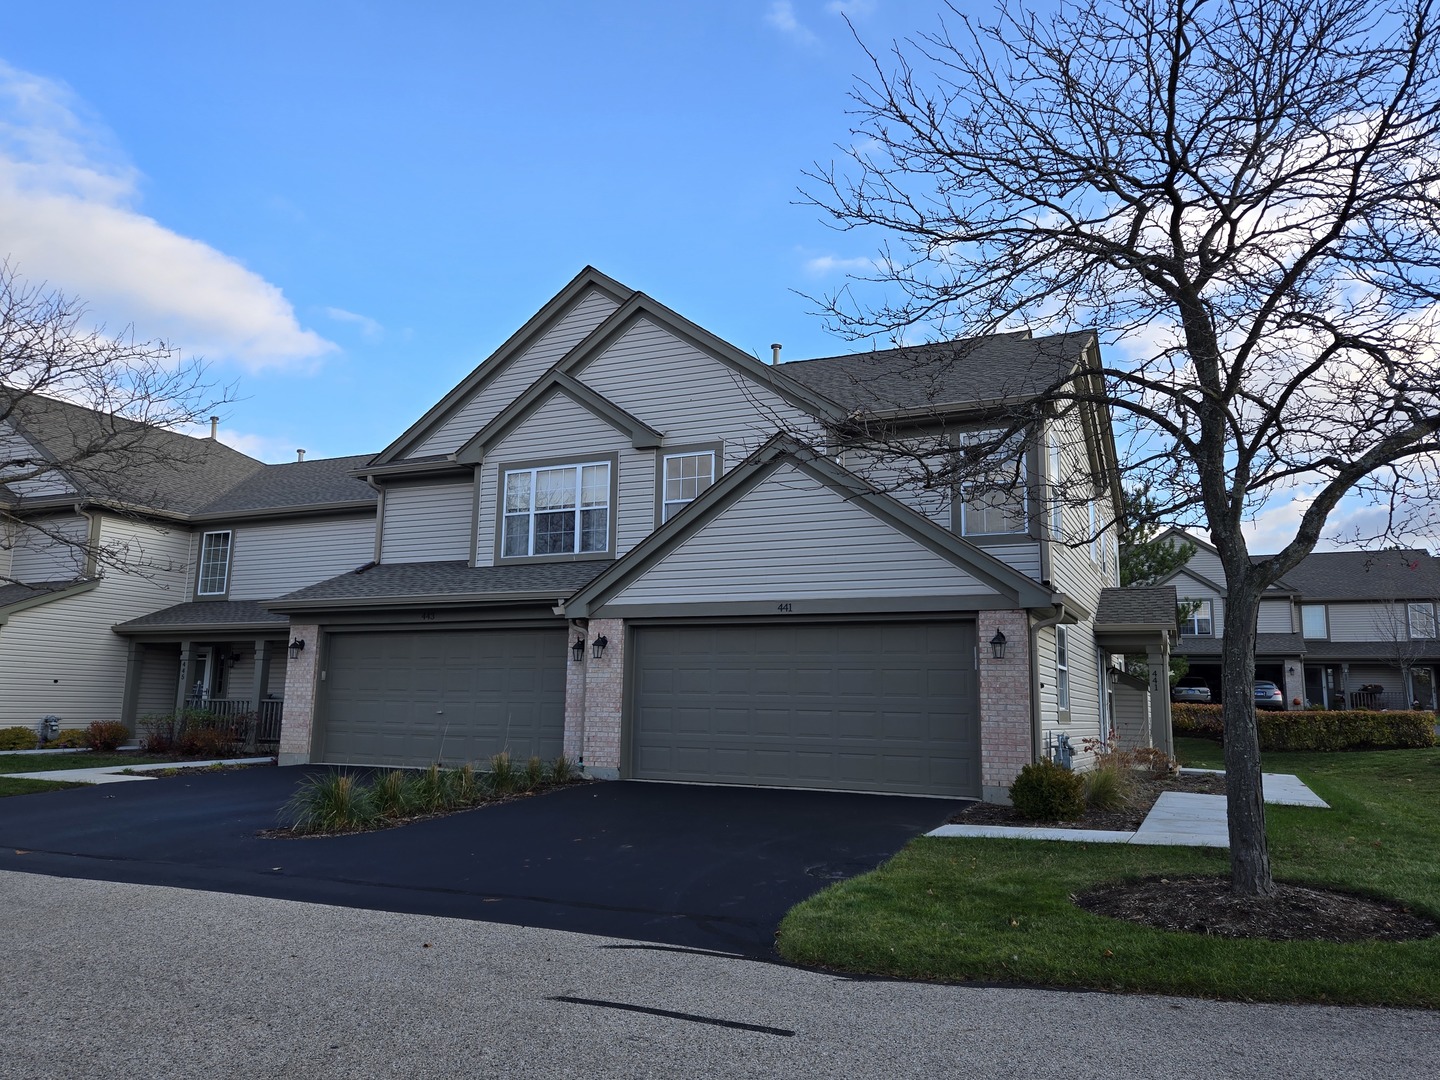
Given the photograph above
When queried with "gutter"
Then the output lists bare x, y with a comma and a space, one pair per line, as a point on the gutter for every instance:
1036, 747
421, 600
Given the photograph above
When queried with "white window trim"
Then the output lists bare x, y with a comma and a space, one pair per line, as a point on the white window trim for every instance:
200, 589
578, 509
1056, 509
1062, 669
1428, 610
1023, 480
1324, 618
670, 507
1193, 619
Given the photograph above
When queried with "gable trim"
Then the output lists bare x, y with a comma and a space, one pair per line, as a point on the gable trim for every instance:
780, 450
1199, 579
642, 436
589, 279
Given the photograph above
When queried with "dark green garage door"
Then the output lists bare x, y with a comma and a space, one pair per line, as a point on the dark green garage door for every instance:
417, 698
863, 707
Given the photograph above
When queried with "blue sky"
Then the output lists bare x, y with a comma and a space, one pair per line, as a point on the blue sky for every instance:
347, 206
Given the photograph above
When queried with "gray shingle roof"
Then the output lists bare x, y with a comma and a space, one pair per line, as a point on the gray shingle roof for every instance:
450, 580
1372, 650
1265, 645
113, 459
1137, 606
1396, 574
296, 484
206, 613
969, 371
16, 592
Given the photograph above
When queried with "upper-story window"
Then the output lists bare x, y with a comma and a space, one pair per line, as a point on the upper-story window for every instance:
1056, 509
1422, 620
685, 477
559, 510
1197, 623
214, 575
996, 505
1062, 668
1313, 623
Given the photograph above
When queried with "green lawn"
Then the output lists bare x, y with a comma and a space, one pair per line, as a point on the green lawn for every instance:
24, 763
11, 786
1000, 910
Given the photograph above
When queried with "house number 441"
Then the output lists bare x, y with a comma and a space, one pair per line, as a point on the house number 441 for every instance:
784, 607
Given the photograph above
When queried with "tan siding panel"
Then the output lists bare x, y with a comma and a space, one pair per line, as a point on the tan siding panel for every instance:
1367, 622
45, 556
1275, 617
14, 447
271, 560
427, 522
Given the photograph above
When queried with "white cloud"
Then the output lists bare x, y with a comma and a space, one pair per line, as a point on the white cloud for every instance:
68, 217
832, 264
368, 326
781, 15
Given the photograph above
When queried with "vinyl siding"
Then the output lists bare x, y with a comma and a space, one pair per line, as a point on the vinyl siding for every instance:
1084, 715
791, 538
271, 560
240, 679
689, 395
1275, 617
1207, 565
888, 476
63, 658
1187, 588
159, 679
1132, 717
1368, 622
560, 431
1024, 557
427, 522
15, 447
36, 556
589, 312
1077, 568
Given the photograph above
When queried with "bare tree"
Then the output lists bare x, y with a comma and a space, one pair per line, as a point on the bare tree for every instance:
1244, 195
87, 417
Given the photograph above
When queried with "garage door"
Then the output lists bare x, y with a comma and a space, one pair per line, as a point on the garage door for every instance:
412, 699
863, 707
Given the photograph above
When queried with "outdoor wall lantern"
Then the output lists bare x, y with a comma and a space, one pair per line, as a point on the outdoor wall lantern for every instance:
997, 645
597, 650
1291, 669
578, 649
296, 646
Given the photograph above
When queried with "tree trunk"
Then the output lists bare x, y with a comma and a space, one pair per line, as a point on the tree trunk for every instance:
1249, 849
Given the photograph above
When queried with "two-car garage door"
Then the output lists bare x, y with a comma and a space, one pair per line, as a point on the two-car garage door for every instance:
883, 706
442, 695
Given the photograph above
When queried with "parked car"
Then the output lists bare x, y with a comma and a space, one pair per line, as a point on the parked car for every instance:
1268, 695
1191, 689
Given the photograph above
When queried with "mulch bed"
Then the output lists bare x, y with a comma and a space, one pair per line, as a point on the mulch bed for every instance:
1294, 913
1126, 819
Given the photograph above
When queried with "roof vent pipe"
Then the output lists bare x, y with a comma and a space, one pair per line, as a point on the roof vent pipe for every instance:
214, 426
300, 455
775, 353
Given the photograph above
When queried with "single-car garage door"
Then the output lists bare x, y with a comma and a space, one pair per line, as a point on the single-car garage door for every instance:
860, 706
442, 695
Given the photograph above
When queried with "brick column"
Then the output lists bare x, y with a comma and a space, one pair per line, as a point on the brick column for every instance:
604, 695
1005, 733
575, 696
302, 684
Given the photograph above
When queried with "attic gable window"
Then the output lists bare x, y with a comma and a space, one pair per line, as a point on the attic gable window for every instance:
562, 510
214, 576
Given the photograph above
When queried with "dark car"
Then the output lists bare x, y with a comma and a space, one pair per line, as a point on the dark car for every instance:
1268, 695
1191, 689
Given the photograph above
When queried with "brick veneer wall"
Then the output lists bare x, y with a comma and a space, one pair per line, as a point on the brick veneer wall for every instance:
1005, 734
301, 683
575, 696
603, 698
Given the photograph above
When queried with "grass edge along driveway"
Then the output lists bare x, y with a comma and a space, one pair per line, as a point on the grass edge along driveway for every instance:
1000, 910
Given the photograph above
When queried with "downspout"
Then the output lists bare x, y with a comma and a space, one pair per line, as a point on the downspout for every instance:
1036, 747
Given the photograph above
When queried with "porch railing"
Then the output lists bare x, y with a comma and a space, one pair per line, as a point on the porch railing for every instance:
267, 719
1379, 699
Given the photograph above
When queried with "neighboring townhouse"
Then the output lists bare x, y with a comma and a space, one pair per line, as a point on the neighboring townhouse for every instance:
97, 534
1343, 629
624, 539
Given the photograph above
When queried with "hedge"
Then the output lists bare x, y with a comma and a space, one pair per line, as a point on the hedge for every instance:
1335, 729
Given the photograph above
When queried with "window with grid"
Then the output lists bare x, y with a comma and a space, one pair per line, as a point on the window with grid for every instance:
1422, 620
560, 510
214, 574
995, 505
1057, 499
1197, 621
1062, 668
686, 476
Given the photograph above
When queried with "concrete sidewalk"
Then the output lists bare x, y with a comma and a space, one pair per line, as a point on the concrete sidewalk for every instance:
119, 774
1178, 818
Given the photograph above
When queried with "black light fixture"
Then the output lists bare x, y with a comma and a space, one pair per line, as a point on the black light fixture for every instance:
997, 645
1291, 669
597, 650
578, 649
297, 645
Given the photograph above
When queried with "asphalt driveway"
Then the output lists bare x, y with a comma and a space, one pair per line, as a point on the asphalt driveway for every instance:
699, 867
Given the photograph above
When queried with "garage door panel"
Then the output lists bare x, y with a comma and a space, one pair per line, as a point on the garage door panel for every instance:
414, 698
873, 707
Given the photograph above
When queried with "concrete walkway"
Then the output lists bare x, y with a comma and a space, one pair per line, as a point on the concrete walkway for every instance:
1178, 818
120, 774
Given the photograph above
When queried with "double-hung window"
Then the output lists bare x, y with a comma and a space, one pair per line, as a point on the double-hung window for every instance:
685, 477
1422, 620
994, 503
1197, 621
1056, 508
1312, 621
1062, 668
214, 575
559, 510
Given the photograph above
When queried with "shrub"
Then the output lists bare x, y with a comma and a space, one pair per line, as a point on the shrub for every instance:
1045, 791
159, 733
396, 794
18, 738
1333, 729
1107, 787
562, 771
503, 775
534, 775
330, 802
70, 739
106, 735
1197, 721
432, 789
